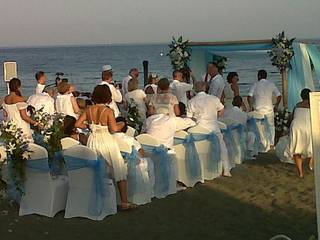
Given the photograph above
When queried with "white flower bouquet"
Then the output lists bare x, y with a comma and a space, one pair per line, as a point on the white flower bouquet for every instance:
282, 122
179, 54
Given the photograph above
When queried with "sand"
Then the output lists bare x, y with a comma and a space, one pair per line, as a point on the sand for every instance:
262, 199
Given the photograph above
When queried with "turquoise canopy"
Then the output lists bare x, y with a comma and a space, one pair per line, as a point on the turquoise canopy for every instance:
299, 77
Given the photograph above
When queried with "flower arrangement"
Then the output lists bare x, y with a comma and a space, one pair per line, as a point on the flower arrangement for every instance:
282, 51
282, 122
133, 118
179, 53
221, 62
18, 153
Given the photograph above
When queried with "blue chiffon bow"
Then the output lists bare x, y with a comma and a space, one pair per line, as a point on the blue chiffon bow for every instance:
242, 134
100, 189
230, 143
253, 127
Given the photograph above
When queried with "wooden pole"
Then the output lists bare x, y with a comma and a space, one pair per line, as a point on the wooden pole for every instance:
145, 72
284, 77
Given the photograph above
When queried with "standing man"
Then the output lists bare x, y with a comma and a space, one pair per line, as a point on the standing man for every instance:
215, 82
180, 88
41, 81
260, 100
133, 73
107, 79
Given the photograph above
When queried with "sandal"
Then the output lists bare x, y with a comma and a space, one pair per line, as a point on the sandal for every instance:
128, 206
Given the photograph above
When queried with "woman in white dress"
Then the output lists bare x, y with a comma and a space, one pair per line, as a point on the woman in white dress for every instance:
164, 100
66, 103
102, 121
151, 87
231, 89
15, 109
300, 143
138, 96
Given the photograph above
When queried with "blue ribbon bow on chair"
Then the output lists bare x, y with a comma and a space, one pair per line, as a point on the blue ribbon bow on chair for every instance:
242, 134
253, 127
99, 189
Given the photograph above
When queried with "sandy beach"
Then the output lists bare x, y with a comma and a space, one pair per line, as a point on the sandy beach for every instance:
262, 199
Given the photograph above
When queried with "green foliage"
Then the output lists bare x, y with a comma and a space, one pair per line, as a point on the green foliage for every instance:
179, 54
133, 118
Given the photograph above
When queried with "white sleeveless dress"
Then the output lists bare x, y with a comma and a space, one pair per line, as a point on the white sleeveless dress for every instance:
228, 96
64, 105
13, 113
105, 145
300, 133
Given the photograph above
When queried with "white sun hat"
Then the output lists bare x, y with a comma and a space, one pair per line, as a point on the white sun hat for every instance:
106, 68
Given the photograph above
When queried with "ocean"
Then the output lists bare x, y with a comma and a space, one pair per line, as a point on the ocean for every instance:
82, 64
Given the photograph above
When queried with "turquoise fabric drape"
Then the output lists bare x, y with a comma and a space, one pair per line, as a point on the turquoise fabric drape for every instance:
314, 54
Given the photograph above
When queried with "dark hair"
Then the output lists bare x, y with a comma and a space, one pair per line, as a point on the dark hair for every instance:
69, 125
64, 80
14, 86
101, 94
164, 84
76, 93
89, 102
38, 75
262, 74
212, 63
237, 101
58, 79
106, 75
305, 94
182, 108
125, 127
231, 75
175, 72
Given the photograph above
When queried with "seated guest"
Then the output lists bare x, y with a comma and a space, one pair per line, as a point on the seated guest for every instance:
66, 103
300, 140
180, 88
164, 99
82, 105
41, 81
138, 96
43, 100
231, 89
151, 87
70, 130
162, 126
205, 109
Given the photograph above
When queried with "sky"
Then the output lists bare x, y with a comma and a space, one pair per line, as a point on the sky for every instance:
74, 22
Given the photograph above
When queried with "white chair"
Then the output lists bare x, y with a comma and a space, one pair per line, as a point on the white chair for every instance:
204, 149
68, 142
148, 140
43, 195
180, 151
81, 183
142, 174
131, 131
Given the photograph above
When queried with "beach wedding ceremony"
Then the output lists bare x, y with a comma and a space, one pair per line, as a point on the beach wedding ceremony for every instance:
164, 120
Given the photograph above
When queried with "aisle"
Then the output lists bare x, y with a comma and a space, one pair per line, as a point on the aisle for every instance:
262, 199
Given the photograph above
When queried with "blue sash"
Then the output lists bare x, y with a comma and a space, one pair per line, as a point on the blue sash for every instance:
242, 134
230, 143
99, 189
253, 127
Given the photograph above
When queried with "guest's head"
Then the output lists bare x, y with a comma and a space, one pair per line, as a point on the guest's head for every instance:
125, 125
262, 74
134, 72
133, 84
200, 86
72, 88
232, 77
177, 75
41, 78
182, 108
69, 125
237, 101
50, 90
63, 88
101, 95
153, 78
164, 84
15, 86
305, 94
212, 68
107, 76
58, 80
81, 103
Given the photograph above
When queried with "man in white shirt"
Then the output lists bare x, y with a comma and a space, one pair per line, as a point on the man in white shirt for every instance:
180, 88
133, 73
41, 81
260, 100
163, 127
43, 100
215, 82
205, 108
107, 75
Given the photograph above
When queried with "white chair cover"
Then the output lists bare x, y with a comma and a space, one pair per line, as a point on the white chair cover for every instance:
140, 177
183, 174
43, 195
81, 182
68, 142
131, 131
148, 140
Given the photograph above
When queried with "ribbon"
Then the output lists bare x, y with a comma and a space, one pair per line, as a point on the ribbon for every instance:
241, 129
253, 127
99, 189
